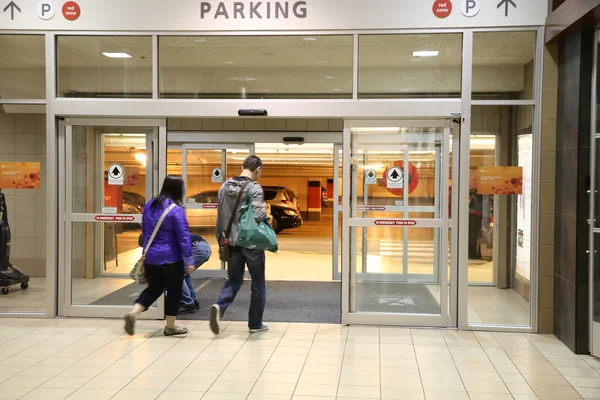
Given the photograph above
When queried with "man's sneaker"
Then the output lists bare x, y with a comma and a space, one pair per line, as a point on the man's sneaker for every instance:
129, 323
197, 304
175, 330
263, 328
188, 309
215, 319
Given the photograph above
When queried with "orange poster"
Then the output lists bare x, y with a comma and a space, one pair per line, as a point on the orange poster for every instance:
20, 175
500, 180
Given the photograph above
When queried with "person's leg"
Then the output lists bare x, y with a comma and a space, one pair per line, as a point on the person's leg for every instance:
186, 303
256, 266
155, 288
235, 272
173, 275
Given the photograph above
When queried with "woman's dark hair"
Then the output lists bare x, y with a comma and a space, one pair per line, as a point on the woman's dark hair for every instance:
172, 188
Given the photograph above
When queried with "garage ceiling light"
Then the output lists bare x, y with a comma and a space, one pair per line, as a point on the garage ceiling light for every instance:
426, 53
116, 55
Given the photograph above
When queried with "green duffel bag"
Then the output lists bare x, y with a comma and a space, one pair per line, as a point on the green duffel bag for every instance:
253, 235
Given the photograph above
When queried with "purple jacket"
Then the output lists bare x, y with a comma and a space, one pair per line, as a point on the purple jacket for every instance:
172, 242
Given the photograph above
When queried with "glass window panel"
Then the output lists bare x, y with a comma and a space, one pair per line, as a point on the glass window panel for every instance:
397, 270
95, 149
23, 139
424, 65
23, 70
256, 67
503, 65
102, 255
500, 208
105, 66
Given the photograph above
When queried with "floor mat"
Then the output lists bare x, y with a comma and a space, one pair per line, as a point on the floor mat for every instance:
287, 301
409, 298
128, 294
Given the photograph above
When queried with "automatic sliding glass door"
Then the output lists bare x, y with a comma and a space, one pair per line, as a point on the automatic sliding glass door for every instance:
110, 170
397, 223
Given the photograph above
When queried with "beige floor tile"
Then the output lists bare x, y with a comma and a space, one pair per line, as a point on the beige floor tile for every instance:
242, 376
389, 393
8, 393
273, 388
322, 369
485, 387
81, 372
489, 396
395, 363
189, 385
168, 395
107, 383
296, 397
354, 370
224, 396
148, 384
48, 394
137, 395
431, 364
584, 382
306, 389
66, 383
513, 378
520, 388
441, 380
24, 382
224, 386
401, 378
551, 380
475, 366
361, 362
507, 368
539, 370
320, 379
282, 368
360, 380
445, 395
525, 397
556, 391
480, 376
588, 393
359, 392
579, 372
265, 396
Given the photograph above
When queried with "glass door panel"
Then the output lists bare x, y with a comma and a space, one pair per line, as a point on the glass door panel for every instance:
205, 167
109, 174
398, 223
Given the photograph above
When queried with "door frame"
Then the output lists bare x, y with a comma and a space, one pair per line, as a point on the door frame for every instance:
155, 174
448, 316
594, 261
206, 140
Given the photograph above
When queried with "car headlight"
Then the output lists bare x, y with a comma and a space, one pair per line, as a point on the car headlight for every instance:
290, 212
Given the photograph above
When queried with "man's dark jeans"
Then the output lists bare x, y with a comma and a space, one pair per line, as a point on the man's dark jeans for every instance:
255, 260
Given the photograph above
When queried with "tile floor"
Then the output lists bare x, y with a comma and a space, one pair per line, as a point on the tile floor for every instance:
91, 359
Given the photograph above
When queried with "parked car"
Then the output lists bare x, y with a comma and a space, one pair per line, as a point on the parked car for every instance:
286, 215
206, 217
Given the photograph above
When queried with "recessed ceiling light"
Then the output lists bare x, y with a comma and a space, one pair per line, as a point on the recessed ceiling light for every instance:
337, 90
116, 55
200, 40
322, 62
425, 53
330, 77
250, 79
309, 39
229, 62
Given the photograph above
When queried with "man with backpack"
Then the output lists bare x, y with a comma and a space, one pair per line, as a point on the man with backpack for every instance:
233, 194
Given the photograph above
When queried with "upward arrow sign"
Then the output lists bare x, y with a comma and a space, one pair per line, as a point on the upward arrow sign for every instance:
395, 174
506, 3
12, 7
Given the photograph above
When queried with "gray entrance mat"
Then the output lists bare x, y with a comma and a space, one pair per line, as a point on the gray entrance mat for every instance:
128, 294
316, 302
384, 297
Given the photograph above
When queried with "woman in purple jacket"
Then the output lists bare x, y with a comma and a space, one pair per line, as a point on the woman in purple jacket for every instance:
167, 257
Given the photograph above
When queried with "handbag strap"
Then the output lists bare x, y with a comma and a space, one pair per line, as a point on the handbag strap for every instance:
157, 227
235, 208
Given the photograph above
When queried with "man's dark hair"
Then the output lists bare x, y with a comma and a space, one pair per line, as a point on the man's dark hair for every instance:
252, 163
